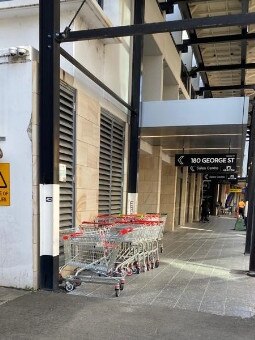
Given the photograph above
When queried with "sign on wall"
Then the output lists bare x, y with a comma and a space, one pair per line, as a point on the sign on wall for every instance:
220, 177
206, 163
237, 190
4, 184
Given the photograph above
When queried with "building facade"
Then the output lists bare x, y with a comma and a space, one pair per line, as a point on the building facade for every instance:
94, 129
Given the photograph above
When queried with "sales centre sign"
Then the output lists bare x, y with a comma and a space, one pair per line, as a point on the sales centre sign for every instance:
206, 163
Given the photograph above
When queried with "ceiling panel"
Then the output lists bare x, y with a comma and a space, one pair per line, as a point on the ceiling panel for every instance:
226, 53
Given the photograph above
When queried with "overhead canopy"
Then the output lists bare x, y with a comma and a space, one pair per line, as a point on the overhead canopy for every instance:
231, 49
197, 126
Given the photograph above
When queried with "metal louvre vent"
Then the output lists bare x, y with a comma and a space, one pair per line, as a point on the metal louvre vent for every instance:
110, 164
66, 154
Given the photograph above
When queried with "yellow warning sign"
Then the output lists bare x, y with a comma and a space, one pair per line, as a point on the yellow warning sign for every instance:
235, 190
4, 184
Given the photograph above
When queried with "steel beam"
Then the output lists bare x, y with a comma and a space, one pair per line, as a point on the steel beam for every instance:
216, 39
190, 1
217, 68
245, 9
49, 103
186, 14
225, 88
85, 71
250, 237
251, 183
139, 8
158, 27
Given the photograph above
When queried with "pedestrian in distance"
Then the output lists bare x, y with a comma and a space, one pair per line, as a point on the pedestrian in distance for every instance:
219, 207
246, 213
205, 211
241, 206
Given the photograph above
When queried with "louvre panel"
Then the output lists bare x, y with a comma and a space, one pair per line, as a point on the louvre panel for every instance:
110, 164
66, 156
65, 137
64, 130
66, 103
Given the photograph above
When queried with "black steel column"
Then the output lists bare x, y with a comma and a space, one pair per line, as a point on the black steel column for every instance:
135, 98
251, 184
49, 16
251, 195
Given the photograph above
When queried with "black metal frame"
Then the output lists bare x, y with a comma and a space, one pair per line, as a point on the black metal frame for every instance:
219, 68
226, 88
157, 27
250, 233
49, 79
87, 73
251, 184
50, 39
216, 39
139, 7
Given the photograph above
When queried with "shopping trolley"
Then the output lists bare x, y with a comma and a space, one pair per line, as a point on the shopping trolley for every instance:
94, 250
139, 249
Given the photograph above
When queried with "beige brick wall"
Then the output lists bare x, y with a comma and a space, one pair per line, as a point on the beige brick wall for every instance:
168, 193
87, 152
87, 157
149, 185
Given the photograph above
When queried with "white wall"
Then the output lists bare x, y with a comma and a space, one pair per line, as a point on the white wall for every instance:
110, 63
216, 111
16, 234
177, 36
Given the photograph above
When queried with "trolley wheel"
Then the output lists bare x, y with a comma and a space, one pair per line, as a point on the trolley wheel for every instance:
152, 265
69, 286
138, 270
129, 271
121, 286
161, 249
157, 264
117, 292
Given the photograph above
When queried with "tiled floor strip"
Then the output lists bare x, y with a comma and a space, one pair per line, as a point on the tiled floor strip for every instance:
202, 269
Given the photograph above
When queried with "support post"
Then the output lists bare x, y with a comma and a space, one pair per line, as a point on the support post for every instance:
49, 16
251, 196
251, 184
135, 104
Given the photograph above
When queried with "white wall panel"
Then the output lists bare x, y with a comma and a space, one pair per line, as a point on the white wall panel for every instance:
16, 234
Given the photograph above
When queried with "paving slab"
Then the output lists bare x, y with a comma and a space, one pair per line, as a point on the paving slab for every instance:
203, 268
45, 315
9, 294
199, 291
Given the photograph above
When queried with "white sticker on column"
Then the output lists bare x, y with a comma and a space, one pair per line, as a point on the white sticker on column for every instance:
132, 203
49, 219
55, 219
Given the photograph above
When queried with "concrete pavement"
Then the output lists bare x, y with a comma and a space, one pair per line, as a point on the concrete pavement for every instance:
199, 291
45, 315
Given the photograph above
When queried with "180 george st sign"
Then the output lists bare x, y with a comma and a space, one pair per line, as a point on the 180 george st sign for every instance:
220, 163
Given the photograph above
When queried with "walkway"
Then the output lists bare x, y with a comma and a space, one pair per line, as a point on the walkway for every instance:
200, 283
202, 269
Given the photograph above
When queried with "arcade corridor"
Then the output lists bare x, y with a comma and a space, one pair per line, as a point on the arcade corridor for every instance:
202, 269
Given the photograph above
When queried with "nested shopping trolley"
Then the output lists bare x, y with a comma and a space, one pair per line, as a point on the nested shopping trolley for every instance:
139, 250
93, 253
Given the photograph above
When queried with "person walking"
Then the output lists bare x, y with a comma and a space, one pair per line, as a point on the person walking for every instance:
246, 213
218, 207
205, 211
241, 206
